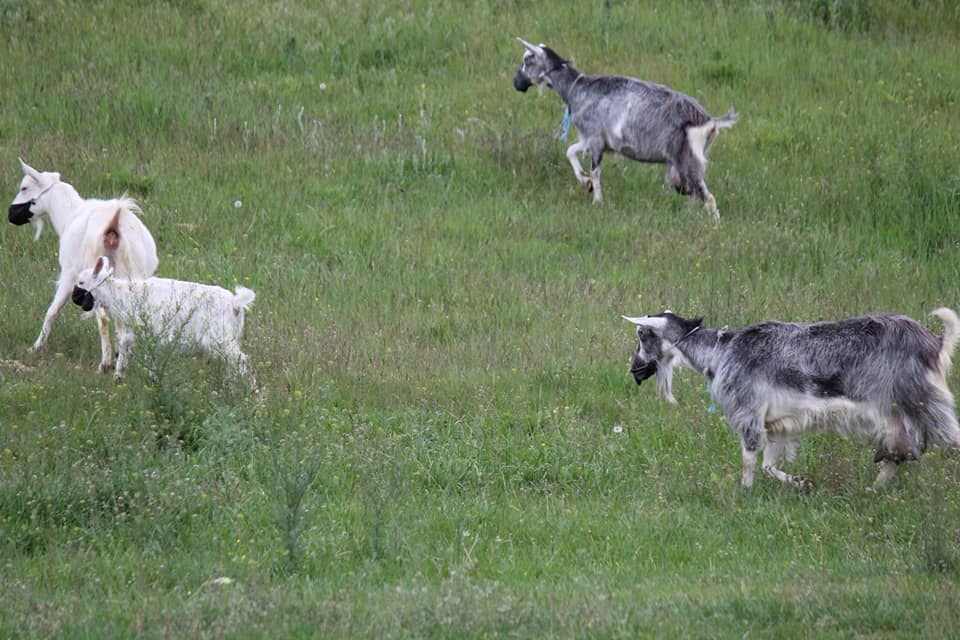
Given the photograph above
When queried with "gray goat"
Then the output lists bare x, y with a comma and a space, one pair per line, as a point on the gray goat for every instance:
641, 120
882, 378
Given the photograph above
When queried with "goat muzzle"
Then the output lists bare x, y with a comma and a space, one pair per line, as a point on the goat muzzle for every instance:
82, 298
20, 214
643, 370
521, 82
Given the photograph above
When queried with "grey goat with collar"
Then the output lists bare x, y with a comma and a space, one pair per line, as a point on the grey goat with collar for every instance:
881, 378
641, 120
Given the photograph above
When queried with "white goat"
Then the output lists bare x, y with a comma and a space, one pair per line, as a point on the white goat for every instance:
87, 228
202, 316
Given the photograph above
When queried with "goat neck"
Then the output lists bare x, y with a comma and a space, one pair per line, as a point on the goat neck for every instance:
563, 79
61, 204
700, 349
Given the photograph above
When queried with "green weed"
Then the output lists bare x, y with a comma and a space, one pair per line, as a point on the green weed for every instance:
447, 441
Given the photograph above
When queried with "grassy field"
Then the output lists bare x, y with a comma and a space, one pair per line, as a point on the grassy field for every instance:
448, 442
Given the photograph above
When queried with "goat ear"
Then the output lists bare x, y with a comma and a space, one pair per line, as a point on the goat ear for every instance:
28, 170
103, 269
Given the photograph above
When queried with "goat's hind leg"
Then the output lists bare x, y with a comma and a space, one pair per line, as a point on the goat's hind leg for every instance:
125, 340
596, 155
887, 471
691, 175
242, 367
708, 200
773, 451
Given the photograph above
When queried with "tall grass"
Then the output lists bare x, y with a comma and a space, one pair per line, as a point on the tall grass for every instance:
447, 442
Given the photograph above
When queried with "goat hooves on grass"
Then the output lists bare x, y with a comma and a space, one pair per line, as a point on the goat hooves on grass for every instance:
803, 483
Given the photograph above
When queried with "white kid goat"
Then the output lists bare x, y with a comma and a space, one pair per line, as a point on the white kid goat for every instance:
202, 316
88, 228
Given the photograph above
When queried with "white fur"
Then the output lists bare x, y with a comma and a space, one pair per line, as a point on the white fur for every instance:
206, 317
81, 224
951, 333
573, 152
699, 138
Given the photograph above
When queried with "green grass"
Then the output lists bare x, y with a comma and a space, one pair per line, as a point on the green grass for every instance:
437, 329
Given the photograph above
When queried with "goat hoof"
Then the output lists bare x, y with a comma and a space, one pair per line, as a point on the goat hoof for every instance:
803, 483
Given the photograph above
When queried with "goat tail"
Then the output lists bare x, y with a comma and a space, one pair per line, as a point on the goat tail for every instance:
122, 238
727, 120
111, 236
243, 298
951, 334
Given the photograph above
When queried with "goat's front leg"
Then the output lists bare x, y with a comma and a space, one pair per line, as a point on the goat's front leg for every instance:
64, 287
572, 152
106, 348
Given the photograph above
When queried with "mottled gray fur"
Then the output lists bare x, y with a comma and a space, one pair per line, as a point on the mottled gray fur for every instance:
641, 120
882, 378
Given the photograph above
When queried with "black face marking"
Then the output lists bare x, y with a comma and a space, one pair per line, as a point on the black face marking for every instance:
646, 356
20, 213
642, 371
521, 82
82, 298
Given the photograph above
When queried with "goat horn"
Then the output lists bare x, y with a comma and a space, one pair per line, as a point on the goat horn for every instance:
529, 46
647, 321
